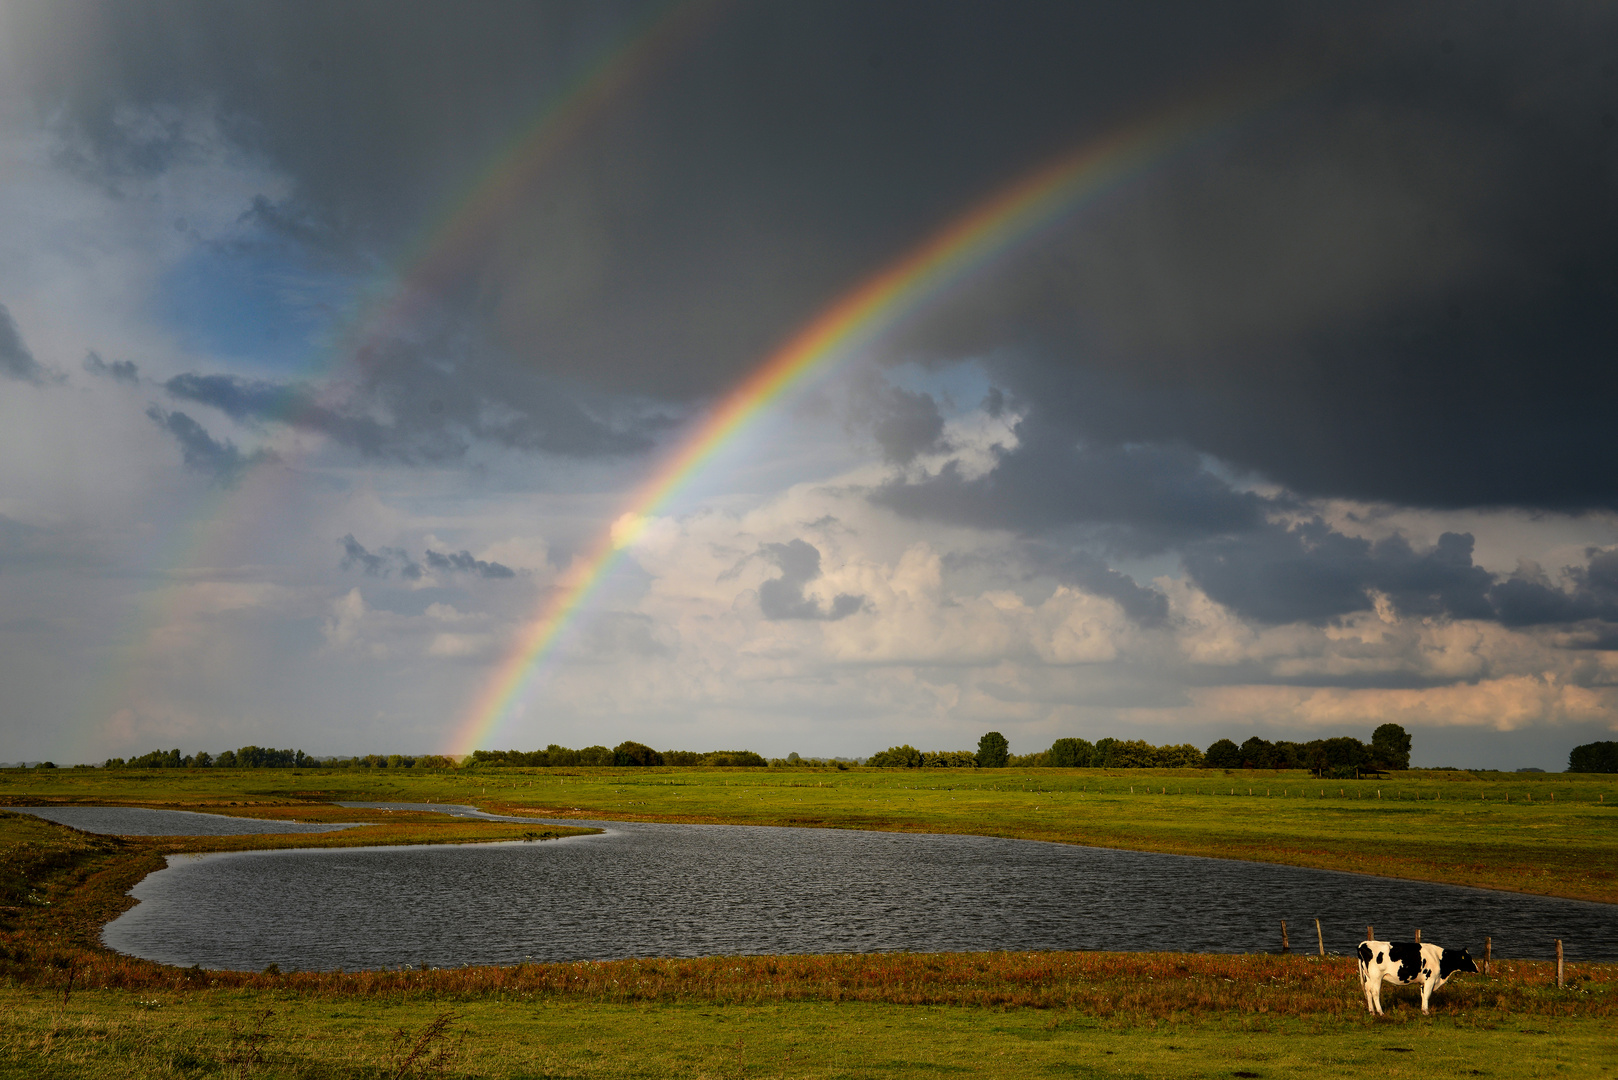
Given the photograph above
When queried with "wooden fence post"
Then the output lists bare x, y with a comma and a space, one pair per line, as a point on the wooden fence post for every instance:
1321, 940
1370, 933
1286, 946
1488, 953
1418, 935
1559, 963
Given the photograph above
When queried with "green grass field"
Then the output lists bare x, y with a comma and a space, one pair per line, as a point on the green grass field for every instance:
123, 1037
72, 1009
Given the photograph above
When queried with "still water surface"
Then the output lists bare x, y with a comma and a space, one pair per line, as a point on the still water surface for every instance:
138, 821
695, 890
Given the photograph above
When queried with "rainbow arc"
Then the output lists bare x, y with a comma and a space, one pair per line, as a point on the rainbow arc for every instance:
983, 236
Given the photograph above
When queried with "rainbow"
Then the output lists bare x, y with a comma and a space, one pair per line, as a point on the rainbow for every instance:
985, 234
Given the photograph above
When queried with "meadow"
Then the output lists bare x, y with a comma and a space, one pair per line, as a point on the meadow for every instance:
75, 1009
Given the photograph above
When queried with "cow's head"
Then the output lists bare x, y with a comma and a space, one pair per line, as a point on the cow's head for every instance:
1455, 960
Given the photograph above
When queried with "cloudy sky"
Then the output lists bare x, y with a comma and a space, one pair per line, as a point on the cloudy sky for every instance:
333, 338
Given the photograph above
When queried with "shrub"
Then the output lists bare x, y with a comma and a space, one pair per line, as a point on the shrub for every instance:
595, 755
634, 753
734, 759
157, 759
897, 757
949, 759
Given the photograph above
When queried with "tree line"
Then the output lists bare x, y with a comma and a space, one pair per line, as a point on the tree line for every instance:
263, 757
1389, 749
626, 753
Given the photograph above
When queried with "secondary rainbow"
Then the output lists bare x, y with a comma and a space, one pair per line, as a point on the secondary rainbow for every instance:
970, 243
443, 249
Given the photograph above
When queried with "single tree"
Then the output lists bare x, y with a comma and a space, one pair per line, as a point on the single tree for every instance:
993, 750
1390, 747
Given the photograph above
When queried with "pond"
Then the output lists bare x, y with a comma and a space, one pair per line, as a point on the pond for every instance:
693, 890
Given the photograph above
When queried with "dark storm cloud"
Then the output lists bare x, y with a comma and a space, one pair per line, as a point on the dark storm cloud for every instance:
1534, 601
16, 362
1149, 496
752, 171
783, 598
1309, 572
1395, 284
202, 452
1398, 288
124, 371
463, 561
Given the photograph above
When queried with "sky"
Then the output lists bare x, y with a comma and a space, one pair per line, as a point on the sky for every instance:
342, 348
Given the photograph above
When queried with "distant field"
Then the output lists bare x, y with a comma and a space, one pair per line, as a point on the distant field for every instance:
1552, 834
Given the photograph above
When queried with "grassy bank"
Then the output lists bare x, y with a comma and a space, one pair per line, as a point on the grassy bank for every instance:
1551, 834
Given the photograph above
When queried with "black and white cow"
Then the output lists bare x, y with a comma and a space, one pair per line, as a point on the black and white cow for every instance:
1407, 962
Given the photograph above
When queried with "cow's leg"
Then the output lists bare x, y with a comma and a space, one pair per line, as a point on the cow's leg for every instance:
1426, 992
1365, 985
1376, 991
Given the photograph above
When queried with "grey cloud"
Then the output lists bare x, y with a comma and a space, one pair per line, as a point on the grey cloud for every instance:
124, 371
1309, 572
16, 361
783, 598
32, 547
463, 561
262, 401
380, 563
1523, 600
1091, 574
1149, 497
906, 424
433, 411
384, 561
202, 452
295, 222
